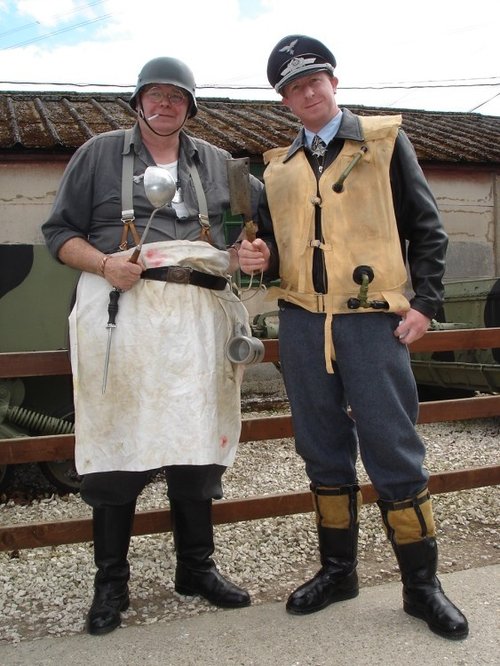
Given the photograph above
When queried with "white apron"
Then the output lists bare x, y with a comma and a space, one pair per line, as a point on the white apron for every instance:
172, 396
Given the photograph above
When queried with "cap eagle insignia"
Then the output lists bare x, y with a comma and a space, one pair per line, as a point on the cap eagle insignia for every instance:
289, 47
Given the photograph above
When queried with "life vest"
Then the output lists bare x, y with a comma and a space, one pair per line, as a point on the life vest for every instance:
358, 225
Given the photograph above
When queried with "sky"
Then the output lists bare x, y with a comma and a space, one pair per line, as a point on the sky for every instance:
441, 55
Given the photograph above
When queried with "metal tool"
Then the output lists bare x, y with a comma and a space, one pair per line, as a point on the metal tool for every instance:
114, 295
160, 188
238, 175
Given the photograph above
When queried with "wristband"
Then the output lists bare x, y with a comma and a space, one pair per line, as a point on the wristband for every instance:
103, 264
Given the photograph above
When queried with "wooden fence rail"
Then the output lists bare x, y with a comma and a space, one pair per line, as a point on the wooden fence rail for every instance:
57, 447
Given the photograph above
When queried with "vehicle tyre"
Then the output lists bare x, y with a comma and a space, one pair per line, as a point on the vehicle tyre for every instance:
5, 476
428, 393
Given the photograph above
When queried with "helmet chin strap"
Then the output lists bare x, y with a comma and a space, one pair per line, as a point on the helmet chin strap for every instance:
140, 113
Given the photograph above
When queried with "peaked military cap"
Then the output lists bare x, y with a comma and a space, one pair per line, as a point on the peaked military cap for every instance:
297, 55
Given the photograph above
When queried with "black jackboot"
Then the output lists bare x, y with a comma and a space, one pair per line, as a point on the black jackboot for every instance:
196, 573
423, 596
410, 528
338, 527
112, 527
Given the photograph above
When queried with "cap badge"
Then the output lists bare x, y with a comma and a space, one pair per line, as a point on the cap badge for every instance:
289, 47
297, 64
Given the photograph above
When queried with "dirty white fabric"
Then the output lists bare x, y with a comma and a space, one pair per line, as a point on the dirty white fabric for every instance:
172, 396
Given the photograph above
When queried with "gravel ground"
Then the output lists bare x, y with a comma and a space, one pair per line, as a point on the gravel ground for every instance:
47, 591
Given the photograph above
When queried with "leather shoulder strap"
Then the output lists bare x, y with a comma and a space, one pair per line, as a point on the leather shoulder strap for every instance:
202, 204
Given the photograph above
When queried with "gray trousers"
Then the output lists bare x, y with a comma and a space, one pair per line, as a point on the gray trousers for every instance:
373, 377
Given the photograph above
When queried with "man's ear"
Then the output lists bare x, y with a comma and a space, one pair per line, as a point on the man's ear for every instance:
284, 100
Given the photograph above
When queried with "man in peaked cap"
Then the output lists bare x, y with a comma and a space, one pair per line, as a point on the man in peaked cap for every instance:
345, 208
296, 56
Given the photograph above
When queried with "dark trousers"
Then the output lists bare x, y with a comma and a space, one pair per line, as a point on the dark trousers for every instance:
185, 482
373, 377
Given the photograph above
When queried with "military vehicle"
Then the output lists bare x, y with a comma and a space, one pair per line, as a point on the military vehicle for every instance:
468, 304
35, 298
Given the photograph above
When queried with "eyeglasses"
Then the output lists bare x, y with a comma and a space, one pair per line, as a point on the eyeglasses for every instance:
156, 95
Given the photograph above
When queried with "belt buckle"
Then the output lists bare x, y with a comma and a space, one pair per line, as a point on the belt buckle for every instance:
178, 274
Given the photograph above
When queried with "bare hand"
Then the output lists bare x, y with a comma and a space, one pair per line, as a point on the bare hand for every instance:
121, 273
254, 257
412, 326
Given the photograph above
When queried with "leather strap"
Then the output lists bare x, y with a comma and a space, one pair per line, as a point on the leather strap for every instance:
202, 205
185, 275
128, 216
387, 505
337, 490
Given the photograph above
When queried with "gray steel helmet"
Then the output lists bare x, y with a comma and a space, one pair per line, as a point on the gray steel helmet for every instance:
170, 71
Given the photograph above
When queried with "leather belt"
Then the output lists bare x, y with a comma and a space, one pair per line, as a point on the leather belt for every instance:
185, 275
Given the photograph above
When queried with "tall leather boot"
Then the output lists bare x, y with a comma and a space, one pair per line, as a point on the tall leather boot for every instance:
337, 518
196, 573
410, 528
112, 527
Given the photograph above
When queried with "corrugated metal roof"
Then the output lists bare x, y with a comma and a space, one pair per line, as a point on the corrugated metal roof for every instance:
60, 122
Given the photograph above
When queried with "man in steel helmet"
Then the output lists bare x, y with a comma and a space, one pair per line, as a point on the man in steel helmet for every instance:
343, 200
170, 72
171, 399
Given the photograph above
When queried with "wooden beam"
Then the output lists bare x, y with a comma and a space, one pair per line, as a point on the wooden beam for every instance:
463, 338
39, 363
155, 521
267, 427
462, 409
34, 364
272, 353
36, 449
61, 447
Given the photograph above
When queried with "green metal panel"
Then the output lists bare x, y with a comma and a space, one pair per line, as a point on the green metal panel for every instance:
34, 312
481, 377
